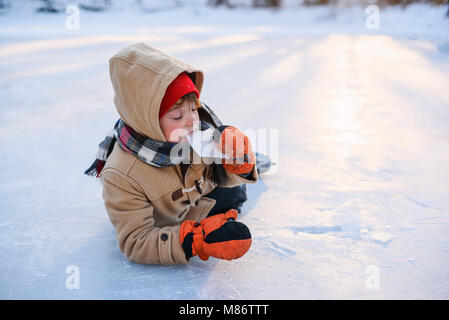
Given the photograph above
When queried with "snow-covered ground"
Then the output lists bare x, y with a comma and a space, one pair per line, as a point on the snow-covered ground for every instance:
359, 206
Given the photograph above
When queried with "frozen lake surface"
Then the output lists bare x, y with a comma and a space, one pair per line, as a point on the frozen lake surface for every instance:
359, 206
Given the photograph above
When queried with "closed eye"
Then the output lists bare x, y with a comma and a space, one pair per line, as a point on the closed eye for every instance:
180, 117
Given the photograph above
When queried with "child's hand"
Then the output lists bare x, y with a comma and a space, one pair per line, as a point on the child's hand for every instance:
218, 236
236, 145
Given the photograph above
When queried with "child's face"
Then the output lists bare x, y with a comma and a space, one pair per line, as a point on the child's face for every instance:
181, 119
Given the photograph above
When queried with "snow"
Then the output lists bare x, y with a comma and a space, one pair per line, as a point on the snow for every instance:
363, 152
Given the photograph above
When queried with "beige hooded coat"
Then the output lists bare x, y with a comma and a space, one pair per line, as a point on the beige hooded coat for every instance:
147, 204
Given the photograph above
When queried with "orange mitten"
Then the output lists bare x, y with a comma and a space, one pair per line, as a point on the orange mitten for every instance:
219, 236
236, 145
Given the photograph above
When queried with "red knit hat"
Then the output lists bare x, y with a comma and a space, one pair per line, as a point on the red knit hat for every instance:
181, 86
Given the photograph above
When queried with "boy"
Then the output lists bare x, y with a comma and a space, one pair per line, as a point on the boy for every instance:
163, 212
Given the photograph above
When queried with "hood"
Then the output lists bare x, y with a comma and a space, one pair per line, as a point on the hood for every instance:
140, 75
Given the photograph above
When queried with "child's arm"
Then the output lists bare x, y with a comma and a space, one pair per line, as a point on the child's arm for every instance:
131, 214
234, 180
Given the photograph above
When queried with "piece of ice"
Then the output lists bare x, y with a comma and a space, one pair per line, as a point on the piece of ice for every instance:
203, 144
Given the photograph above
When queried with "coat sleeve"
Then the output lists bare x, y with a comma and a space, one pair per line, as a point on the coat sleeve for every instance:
131, 214
239, 179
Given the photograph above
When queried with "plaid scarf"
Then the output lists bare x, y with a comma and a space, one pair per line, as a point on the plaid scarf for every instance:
153, 152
